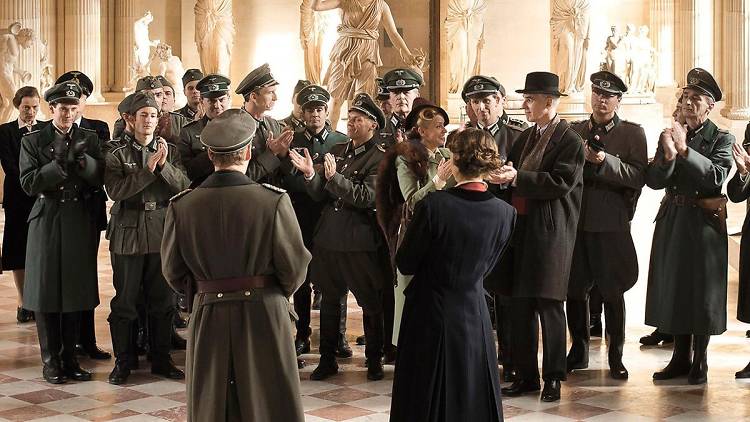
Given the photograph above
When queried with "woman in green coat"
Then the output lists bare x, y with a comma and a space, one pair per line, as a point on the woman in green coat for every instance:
687, 280
411, 170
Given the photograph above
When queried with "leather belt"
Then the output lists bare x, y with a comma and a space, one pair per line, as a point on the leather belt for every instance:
62, 195
234, 284
681, 200
144, 206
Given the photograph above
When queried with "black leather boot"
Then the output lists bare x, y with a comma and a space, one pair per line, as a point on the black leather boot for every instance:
614, 312
70, 333
373, 324
50, 344
328, 335
578, 325
595, 325
343, 350
743, 373
699, 369
655, 338
123, 333
164, 366
679, 365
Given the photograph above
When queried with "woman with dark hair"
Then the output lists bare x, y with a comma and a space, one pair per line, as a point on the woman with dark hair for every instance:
407, 174
446, 369
16, 203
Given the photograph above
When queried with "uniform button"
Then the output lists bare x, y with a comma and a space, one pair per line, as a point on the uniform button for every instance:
247, 293
220, 295
61, 188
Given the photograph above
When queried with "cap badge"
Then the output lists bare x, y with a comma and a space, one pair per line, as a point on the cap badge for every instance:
478, 87
312, 97
70, 93
604, 84
213, 87
358, 103
400, 82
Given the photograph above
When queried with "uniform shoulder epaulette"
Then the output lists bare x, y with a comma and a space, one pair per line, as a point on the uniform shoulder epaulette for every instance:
192, 122
381, 146
273, 188
32, 132
180, 195
630, 123
515, 123
578, 122
87, 129
725, 131
115, 145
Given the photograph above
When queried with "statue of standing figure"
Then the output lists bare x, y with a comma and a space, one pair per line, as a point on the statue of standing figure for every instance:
11, 43
312, 28
610, 51
465, 28
214, 35
355, 57
569, 22
165, 64
143, 44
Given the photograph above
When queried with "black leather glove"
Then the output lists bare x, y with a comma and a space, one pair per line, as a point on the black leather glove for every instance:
79, 150
60, 147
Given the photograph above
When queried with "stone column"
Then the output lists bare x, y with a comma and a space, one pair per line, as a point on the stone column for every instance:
125, 15
694, 35
662, 33
83, 41
737, 59
28, 13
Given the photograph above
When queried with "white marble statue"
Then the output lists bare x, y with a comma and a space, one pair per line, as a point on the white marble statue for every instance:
611, 52
570, 42
46, 74
643, 69
143, 43
628, 46
465, 29
214, 35
170, 66
311, 32
11, 42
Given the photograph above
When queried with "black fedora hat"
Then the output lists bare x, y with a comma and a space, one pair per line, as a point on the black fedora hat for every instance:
419, 105
542, 83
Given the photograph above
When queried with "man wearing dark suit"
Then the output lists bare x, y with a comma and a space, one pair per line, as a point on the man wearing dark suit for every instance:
546, 192
86, 345
604, 254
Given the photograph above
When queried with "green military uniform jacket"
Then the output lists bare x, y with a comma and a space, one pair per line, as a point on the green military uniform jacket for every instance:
63, 237
687, 276
193, 153
169, 127
298, 125
387, 135
348, 222
264, 163
307, 209
187, 112
140, 196
210, 235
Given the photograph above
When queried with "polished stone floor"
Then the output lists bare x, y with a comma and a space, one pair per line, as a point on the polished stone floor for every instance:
587, 395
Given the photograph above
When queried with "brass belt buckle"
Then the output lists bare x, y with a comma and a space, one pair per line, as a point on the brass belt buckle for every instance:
149, 206
679, 200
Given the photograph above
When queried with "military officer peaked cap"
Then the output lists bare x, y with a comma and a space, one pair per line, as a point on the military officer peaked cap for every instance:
87, 87
701, 80
124, 106
481, 85
259, 78
164, 81
301, 84
148, 82
608, 82
66, 93
364, 104
383, 93
191, 75
313, 94
402, 79
230, 131
213, 86
141, 100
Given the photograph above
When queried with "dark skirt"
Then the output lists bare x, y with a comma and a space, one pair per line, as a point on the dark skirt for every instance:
15, 235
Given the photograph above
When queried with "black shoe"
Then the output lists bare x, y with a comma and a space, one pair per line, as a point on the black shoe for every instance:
141, 342
375, 370
317, 297
342, 348
54, 374
179, 321
302, 346
509, 375
23, 315
673, 370
747, 333
93, 352
167, 369
520, 387
744, 373
178, 343
301, 363
595, 327
120, 373
551, 391
618, 371
698, 374
74, 371
389, 354
574, 361
360, 341
655, 338
326, 368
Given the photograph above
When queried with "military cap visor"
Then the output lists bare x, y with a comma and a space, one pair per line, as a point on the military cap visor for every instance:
364, 104
230, 131
608, 82
191, 75
402, 79
481, 86
87, 87
213, 86
703, 82
66, 93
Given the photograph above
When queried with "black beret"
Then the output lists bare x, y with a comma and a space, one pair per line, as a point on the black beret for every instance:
66, 92
481, 85
701, 80
87, 87
402, 79
164, 81
301, 84
213, 86
191, 75
229, 131
148, 82
363, 103
259, 78
124, 106
383, 93
608, 82
141, 100
313, 94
